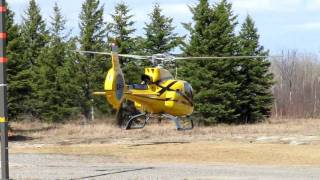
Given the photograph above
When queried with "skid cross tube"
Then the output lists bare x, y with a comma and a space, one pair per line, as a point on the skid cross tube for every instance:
129, 123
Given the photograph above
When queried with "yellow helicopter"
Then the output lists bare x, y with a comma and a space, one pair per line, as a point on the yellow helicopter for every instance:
158, 93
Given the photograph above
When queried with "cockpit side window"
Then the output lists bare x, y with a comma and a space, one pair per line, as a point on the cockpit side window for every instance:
188, 90
145, 79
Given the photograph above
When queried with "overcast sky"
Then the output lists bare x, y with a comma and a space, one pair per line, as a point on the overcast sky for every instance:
282, 24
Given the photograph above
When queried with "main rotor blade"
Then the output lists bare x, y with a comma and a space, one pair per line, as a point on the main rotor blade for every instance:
120, 55
225, 57
92, 52
134, 56
172, 58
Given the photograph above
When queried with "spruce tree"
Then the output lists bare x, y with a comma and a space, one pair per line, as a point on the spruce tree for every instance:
54, 97
202, 17
91, 68
121, 30
160, 37
15, 66
34, 33
33, 39
255, 92
214, 81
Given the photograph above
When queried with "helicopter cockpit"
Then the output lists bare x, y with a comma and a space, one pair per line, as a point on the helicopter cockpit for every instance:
157, 74
188, 90
152, 76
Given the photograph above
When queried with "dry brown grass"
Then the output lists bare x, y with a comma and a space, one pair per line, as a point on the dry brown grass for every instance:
162, 143
99, 132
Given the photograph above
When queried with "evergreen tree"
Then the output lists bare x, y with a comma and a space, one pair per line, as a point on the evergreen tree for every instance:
25, 81
213, 31
34, 33
202, 17
214, 81
14, 67
91, 69
122, 30
255, 92
160, 37
56, 102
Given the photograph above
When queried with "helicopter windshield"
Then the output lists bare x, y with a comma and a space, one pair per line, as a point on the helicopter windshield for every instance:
188, 90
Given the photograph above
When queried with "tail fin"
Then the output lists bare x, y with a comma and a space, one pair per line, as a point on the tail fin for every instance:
114, 85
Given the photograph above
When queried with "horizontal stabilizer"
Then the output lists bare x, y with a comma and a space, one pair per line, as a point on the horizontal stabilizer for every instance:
142, 93
99, 93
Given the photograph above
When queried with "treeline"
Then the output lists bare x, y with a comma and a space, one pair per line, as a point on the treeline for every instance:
233, 90
48, 81
297, 88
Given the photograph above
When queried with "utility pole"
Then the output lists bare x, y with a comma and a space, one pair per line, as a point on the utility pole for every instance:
3, 93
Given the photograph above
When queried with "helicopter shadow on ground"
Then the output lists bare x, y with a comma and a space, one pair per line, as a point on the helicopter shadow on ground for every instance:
71, 141
17, 138
18, 134
158, 143
116, 172
35, 130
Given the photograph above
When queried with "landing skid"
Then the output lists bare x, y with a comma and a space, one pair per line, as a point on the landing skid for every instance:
128, 117
138, 121
181, 124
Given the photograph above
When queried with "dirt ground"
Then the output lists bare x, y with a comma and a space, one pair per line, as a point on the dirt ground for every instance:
285, 143
55, 166
189, 152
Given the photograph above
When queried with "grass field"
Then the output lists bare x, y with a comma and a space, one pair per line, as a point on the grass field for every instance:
277, 142
99, 131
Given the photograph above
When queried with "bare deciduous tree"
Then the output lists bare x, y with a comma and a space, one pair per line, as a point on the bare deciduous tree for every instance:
297, 85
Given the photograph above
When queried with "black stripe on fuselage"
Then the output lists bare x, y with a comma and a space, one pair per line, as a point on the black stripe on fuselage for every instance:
167, 88
186, 97
167, 99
